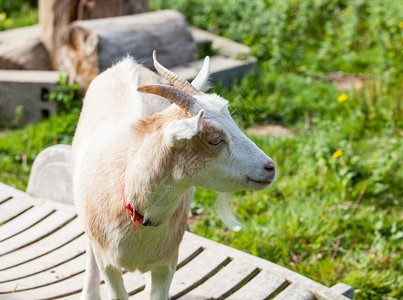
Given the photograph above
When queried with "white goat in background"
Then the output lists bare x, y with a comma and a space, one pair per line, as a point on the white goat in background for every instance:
136, 160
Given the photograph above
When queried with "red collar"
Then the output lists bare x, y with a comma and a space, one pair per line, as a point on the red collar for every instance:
136, 217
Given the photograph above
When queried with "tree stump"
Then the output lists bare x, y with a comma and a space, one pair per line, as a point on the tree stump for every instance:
91, 46
95, 9
56, 15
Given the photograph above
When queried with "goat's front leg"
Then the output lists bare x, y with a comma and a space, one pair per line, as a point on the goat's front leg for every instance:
161, 278
91, 281
114, 282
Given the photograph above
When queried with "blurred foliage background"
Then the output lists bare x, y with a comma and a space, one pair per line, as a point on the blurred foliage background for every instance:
335, 212
18, 13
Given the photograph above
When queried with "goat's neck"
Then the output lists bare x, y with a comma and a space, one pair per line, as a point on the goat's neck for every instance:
163, 199
150, 187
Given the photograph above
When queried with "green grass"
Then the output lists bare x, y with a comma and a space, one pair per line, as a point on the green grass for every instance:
17, 13
332, 219
18, 148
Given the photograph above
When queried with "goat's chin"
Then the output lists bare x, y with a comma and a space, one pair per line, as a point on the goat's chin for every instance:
223, 210
258, 185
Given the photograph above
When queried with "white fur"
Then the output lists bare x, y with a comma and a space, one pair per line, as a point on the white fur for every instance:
178, 132
106, 153
224, 212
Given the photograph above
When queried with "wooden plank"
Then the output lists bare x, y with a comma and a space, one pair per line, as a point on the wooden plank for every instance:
4, 198
24, 221
320, 291
46, 245
45, 262
12, 208
198, 270
7, 190
295, 292
262, 286
134, 282
75, 296
343, 289
37, 232
66, 270
53, 291
220, 285
187, 251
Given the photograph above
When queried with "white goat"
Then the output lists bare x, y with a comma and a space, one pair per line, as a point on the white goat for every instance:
134, 152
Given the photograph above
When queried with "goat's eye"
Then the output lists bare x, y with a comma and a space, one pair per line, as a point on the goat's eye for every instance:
215, 143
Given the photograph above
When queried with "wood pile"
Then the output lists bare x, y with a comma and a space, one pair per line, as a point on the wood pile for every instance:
92, 46
84, 37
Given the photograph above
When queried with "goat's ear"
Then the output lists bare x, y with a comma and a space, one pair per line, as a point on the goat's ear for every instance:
178, 132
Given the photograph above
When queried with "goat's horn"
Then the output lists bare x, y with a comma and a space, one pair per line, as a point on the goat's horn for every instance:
172, 93
174, 79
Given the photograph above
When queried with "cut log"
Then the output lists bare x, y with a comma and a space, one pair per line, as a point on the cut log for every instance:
19, 34
94, 45
24, 55
21, 49
56, 15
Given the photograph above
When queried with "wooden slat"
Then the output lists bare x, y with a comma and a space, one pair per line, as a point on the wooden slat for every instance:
295, 292
45, 262
24, 221
226, 280
34, 242
187, 251
71, 267
4, 197
320, 291
48, 244
343, 289
52, 291
75, 296
37, 232
6, 190
140, 296
12, 208
197, 271
262, 286
133, 282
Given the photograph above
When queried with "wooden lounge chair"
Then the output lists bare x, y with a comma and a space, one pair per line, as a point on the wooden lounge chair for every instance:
42, 251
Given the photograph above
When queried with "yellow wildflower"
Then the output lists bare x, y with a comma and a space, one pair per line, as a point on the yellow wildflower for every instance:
337, 154
342, 97
288, 27
401, 25
358, 85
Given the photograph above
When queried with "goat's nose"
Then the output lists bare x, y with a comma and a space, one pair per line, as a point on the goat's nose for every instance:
269, 167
